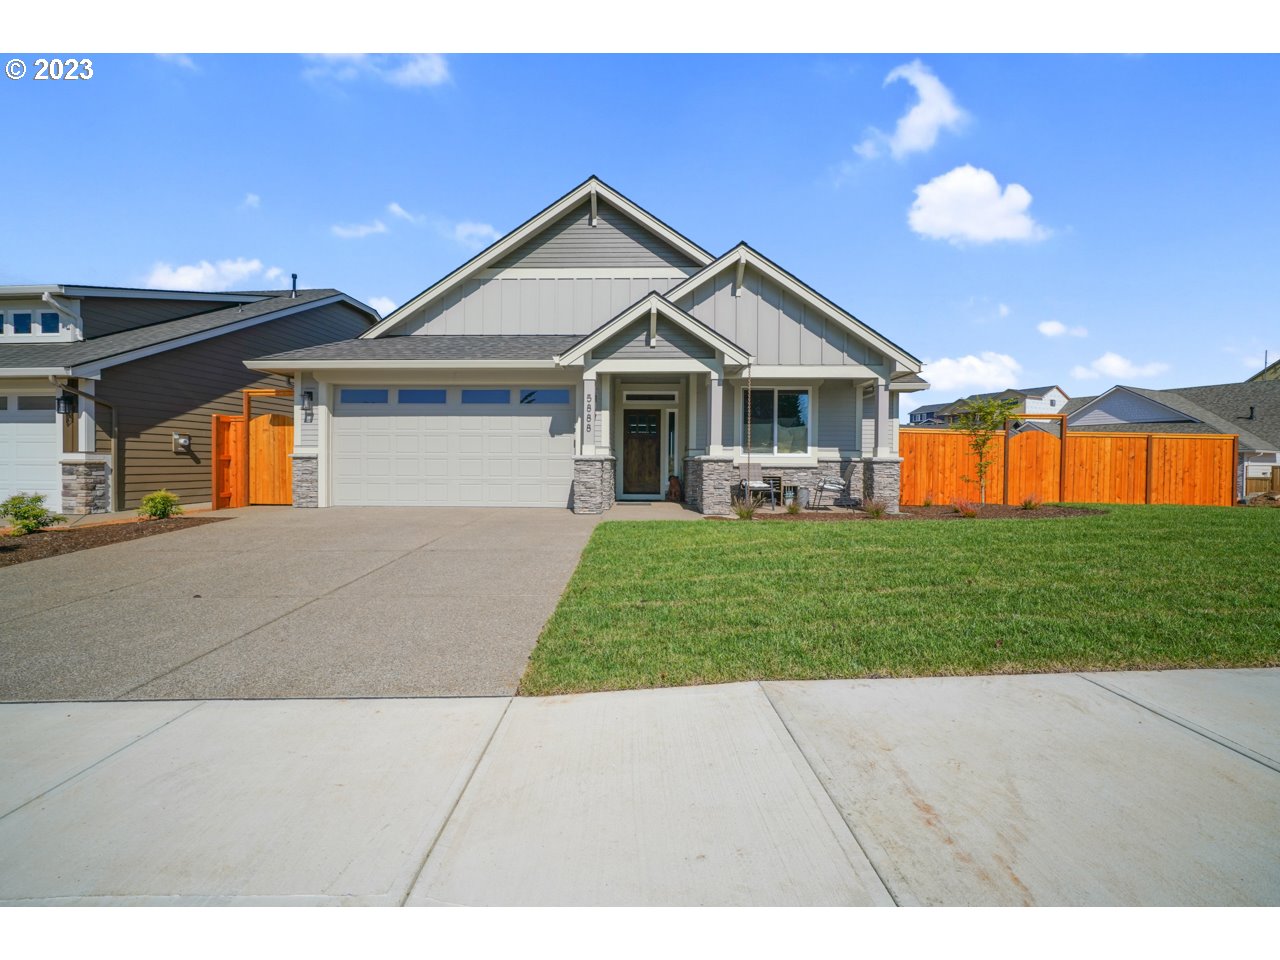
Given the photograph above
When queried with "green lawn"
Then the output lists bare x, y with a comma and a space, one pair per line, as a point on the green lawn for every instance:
664, 604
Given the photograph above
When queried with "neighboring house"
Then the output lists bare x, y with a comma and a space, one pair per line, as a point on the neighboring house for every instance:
588, 356
1269, 372
1026, 400
1250, 409
159, 362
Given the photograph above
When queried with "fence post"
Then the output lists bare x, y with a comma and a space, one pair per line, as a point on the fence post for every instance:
1005, 498
1062, 458
1151, 446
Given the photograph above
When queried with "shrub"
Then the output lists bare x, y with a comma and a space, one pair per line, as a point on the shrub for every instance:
793, 505
875, 509
160, 505
28, 514
966, 508
1032, 502
927, 501
744, 508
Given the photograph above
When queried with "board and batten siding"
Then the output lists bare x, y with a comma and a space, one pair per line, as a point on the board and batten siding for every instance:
837, 430
673, 341
1122, 406
530, 305
615, 241
772, 324
178, 391
106, 315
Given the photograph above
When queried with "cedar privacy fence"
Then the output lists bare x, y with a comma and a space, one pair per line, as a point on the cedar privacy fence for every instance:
1084, 467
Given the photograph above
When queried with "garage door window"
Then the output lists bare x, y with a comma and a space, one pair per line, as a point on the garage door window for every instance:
420, 396
35, 403
560, 397
364, 396
486, 396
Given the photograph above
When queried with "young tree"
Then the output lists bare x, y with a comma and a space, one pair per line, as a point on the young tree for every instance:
982, 420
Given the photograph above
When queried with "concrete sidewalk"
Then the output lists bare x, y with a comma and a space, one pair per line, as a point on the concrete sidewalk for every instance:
1122, 788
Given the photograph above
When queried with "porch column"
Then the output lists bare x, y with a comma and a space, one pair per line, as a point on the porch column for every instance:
605, 413
715, 411
884, 428
587, 414
692, 448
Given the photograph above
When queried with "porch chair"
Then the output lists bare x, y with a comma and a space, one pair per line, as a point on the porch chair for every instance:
832, 485
751, 482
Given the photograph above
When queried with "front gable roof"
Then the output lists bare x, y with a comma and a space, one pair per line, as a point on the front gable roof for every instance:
745, 255
653, 303
592, 187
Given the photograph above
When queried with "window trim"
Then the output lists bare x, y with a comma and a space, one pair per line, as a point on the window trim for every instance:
809, 450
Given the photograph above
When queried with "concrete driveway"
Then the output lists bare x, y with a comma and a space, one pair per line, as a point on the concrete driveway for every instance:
1119, 789
278, 602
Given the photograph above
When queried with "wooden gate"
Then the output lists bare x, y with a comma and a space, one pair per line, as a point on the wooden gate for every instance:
250, 459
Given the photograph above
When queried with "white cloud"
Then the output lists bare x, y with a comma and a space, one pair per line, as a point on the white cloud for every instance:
474, 235
384, 305
1003, 310
178, 60
987, 371
355, 231
396, 210
418, 70
1115, 367
918, 128
251, 201
966, 205
1056, 328
220, 275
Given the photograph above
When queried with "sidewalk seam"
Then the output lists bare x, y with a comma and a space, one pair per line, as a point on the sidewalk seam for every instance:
444, 822
893, 895
101, 760
1186, 724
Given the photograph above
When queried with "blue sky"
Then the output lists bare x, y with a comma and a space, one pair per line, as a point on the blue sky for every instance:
1014, 220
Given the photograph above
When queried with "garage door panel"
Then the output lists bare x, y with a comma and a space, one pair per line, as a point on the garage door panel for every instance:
440, 454
30, 448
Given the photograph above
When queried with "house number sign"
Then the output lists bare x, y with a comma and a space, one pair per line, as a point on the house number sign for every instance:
589, 412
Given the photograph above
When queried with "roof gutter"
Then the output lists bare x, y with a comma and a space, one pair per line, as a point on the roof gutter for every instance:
115, 472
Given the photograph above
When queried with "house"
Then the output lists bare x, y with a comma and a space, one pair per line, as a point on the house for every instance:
1270, 372
106, 393
1026, 400
588, 356
1250, 410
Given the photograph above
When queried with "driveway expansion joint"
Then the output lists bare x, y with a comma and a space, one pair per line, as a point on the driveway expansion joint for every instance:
1183, 722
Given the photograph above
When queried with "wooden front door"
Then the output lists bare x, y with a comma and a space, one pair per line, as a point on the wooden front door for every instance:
641, 452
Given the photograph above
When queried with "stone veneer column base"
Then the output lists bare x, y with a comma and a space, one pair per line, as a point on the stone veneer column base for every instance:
593, 483
306, 479
86, 484
882, 480
709, 483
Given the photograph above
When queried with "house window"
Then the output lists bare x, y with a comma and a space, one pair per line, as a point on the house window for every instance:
363, 396
1053, 401
21, 323
779, 421
544, 396
48, 323
486, 396
420, 396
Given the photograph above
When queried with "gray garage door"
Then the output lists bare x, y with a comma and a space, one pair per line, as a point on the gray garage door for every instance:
30, 445
472, 446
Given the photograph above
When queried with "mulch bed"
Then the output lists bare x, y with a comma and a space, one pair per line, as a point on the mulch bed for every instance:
52, 543
991, 511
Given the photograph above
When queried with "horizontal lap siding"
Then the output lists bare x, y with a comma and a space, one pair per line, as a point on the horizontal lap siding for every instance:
179, 390
104, 315
615, 241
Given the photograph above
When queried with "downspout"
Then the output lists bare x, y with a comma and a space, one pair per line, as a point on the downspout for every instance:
115, 473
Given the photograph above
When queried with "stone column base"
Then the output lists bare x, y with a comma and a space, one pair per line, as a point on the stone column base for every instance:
593, 484
86, 484
882, 480
306, 479
709, 483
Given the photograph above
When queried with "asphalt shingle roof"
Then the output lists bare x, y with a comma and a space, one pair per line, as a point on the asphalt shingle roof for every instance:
76, 353
436, 347
1216, 408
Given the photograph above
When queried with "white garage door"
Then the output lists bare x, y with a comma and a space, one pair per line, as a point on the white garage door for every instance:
481, 446
30, 447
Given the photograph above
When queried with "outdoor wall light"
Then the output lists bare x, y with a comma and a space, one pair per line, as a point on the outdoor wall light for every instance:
181, 443
65, 404
308, 405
